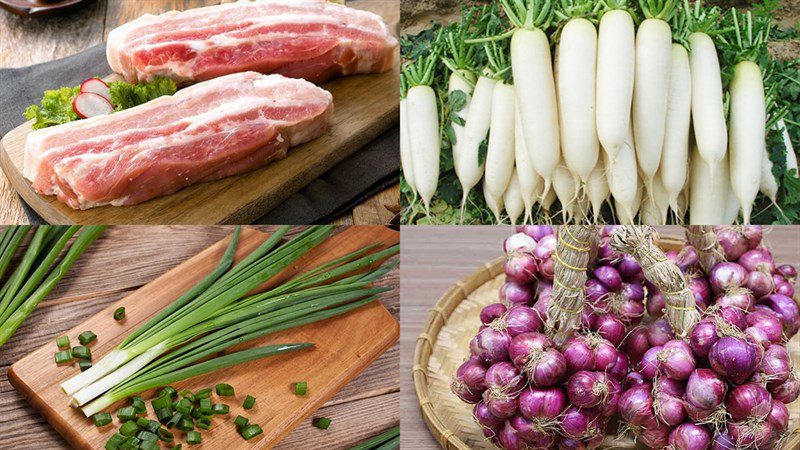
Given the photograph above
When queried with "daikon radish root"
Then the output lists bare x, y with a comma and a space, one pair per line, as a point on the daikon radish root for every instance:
460, 60
469, 168
624, 180
615, 77
675, 153
651, 85
583, 208
405, 150
459, 85
564, 186
655, 205
596, 189
500, 155
791, 156
495, 204
708, 192
575, 84
530, 183
512, 199
547, 199
708, 114
423, 124
768, 185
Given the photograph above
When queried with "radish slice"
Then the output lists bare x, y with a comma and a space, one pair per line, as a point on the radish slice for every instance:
89, 104
96, 86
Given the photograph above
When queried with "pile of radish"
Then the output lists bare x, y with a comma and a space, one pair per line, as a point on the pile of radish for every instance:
723, 385
584, 106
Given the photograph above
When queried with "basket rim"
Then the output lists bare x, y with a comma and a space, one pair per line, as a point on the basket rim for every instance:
437, 318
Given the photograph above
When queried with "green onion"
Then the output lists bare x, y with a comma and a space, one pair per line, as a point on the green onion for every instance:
84, 365
173, 422
81, 352
119, 314
184, 407
142, 422
224, 390
132, 443
168, 391
139, 406
377, 441
321, 422
37, 272
165, 435
147, 436
300, 388
149, 445
221, 408
240, 422
205, 406
152, 426
63, 356
114, 442
392, 444
193, 437
251, 431
186, 424
202, 393
126, 413
204, 423
249, 402
161, 402
129, 428
86, 337
163, 415
187, 394
102, 419
62, 342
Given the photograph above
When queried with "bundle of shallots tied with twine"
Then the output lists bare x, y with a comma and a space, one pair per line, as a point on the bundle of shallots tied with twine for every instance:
704, 241
576, 245
639, 242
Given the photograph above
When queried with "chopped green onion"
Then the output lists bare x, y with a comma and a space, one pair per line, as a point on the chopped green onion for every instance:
204, 423
142, 422
86, 337
173, 422
62, 342
84, 365
225, 390
63, 356
129, 428
202, 393
205, 406
152, 426
193, 437
197, 414
102, 419
163, 415
240, 422
300, 388
168, 391
149, 445
184, 407
114, 442
321, 422
251, 431
139, 406
126, 413
165, 435
161, 402
119, 313
81, 352
186, 425
147, 436
177, 447
131, 443
220, 408
187, 394
249, 401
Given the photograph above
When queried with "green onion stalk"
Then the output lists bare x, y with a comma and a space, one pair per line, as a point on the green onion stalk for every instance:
33, 279
218, 314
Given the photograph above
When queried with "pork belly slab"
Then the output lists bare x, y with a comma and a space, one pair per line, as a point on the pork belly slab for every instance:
310, 39
222, 127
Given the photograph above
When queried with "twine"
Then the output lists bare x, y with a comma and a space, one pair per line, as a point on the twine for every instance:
638, 241
572, 258
705, 243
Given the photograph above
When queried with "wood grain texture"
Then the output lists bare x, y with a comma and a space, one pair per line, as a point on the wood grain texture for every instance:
55, 37
149, 252
434, 258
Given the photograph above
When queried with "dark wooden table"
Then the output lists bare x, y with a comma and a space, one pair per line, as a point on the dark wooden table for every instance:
434, 258
26, 41
124, 259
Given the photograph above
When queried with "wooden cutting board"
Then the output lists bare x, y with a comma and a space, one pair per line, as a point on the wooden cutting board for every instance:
364, 107
345, 345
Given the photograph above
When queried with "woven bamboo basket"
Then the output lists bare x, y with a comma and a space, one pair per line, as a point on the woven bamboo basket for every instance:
444, 345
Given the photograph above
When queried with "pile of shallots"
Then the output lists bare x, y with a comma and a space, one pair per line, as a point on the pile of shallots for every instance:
725, 386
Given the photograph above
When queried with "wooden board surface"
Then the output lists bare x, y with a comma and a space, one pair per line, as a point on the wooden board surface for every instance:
345, 346
364, 107
433, 259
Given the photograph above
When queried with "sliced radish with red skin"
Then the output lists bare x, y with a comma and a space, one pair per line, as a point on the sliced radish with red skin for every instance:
89, 104
96, 86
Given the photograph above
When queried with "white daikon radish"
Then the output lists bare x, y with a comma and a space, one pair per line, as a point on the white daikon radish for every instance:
791, 156
732, 209
651, 86
575, 83
596, 188
708, 192
675, 152
747, 133
708, 115
459, 57
512, 199
625, 218
624, 180
615, 74
405, 150
495, 204
469, 169
530, 183
655, 205
423, 126
500, 155
535, 87
460, 82
564, 185
683, 203
547, 199
768, 185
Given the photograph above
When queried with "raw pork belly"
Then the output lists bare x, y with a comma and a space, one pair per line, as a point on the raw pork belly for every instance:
311, 39
208, 131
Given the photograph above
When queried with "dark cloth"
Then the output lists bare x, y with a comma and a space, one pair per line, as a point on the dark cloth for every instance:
366, 172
